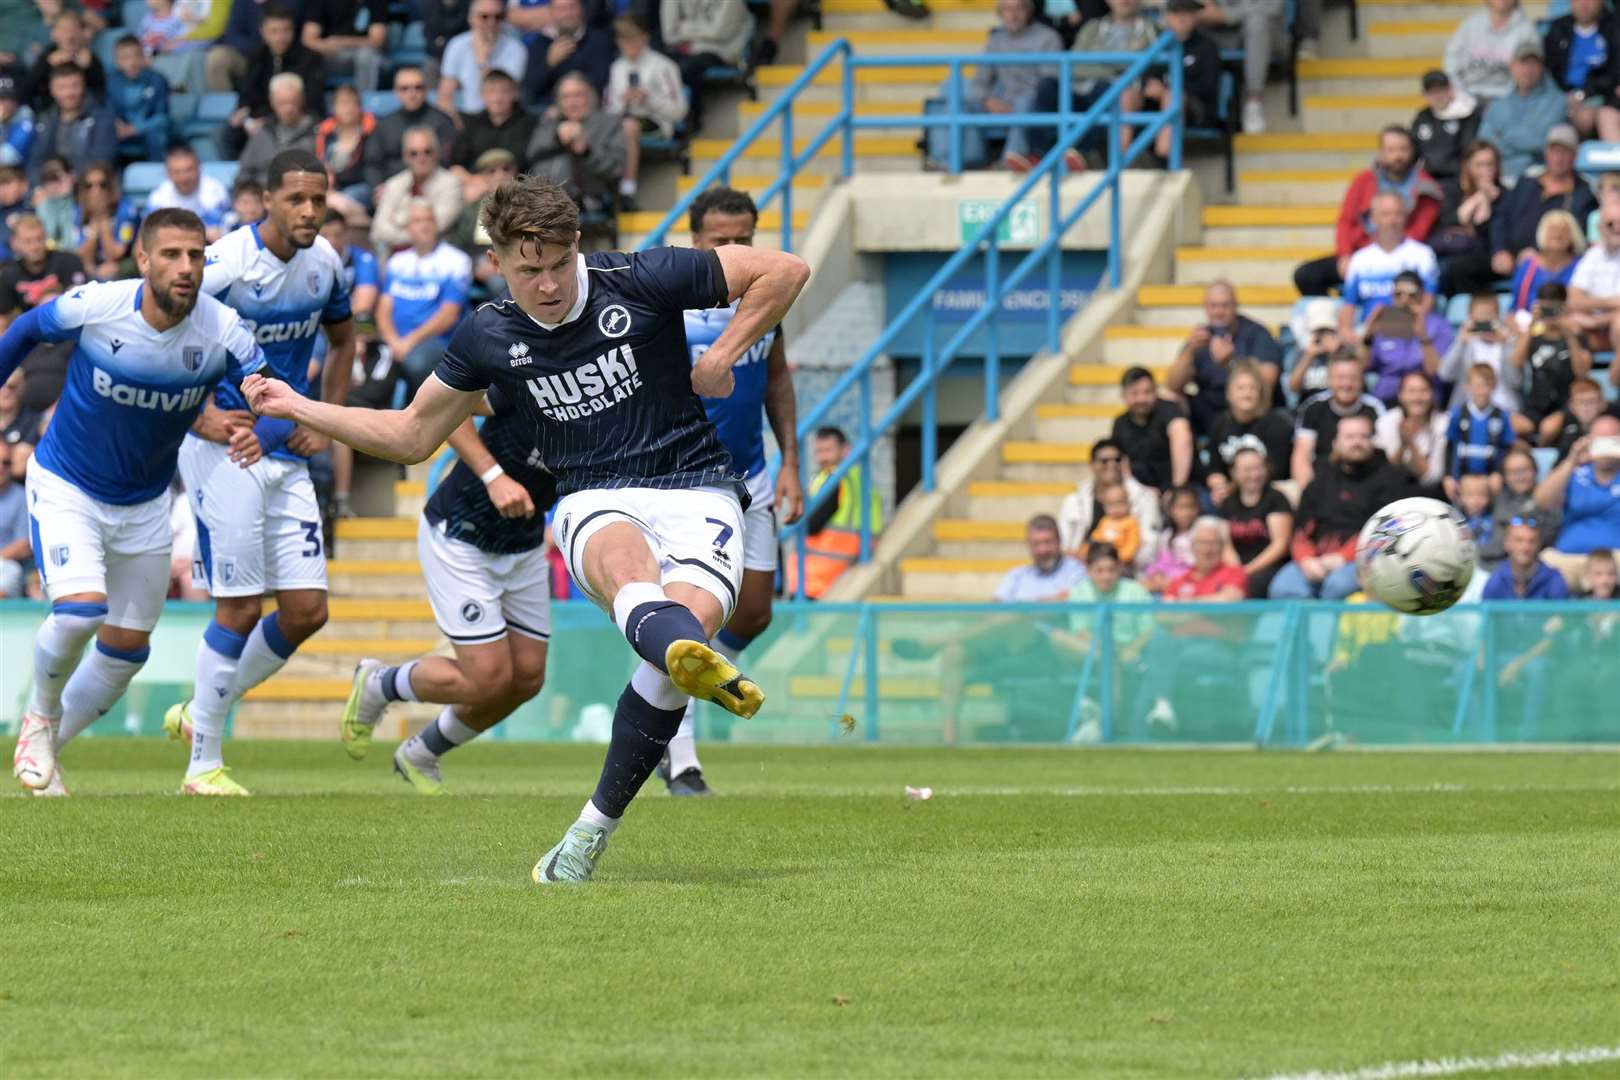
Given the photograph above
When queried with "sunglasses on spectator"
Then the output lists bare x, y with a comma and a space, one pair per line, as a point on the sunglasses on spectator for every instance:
1530, 521
1407, 294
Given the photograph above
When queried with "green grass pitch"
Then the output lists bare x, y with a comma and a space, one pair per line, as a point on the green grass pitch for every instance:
1053, 913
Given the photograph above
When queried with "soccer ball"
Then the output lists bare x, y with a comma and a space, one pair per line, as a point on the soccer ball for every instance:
1416, 555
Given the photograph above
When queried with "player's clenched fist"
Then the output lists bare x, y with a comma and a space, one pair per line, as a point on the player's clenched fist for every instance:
712, 379
269, 397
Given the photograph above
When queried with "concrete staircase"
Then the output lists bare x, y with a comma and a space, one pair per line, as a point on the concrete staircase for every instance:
1289, 184
378, 608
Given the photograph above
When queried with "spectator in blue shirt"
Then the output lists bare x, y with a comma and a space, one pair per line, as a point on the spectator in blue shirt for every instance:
1586, 486
1480, 433
13, 201
1525, 639
139, 99
74, 127
424, 295
16, 121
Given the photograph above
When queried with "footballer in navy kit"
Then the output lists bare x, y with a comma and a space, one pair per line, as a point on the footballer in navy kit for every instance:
481, 542
146, 355
764, 389
259, 529
593, 348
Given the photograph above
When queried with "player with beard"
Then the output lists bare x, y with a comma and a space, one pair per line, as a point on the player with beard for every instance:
593, 348
259, 529
147, 354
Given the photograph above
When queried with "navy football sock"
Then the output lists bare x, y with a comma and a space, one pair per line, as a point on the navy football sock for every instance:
641, 731
653, 626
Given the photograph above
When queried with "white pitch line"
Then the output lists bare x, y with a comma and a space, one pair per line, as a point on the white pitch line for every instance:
1107, 792
1399, 1070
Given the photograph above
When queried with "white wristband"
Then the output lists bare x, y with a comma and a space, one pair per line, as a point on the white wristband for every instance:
494, 472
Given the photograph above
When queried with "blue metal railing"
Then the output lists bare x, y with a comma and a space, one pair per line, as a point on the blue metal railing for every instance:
1106, 112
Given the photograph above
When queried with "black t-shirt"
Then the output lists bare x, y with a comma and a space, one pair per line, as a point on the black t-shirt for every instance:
24, 428
1148, 445
350, 18
462, 504
1549, 371
1321, 416
1249, 340
1247, 524
479, 133
608, 392
1271, 434
22, 289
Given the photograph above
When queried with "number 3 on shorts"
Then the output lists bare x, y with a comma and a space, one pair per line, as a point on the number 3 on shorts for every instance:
312, 537
725, 532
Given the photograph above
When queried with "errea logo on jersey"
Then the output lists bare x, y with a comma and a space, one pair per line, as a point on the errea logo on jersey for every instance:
519, 352
141, 397
267, 333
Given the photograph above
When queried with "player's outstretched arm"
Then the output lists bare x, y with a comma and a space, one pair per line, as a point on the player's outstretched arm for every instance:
407, 435
766, 283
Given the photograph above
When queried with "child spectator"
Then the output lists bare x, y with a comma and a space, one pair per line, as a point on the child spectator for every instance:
1585, 405
1517, 499
1479, 435
170, 34
56, 202
1117, 526
1201, 77
1483, 340
1547, 360
247, 204
1602, 582
13, 201
644, 87
1174, 549
139, 98
1474, 499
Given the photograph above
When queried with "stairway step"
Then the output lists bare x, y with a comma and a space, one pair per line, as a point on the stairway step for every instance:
1070, 411
1306, 187
1019, 452
891, 42
1004, 489
1276, 142
300, 690
378, 528
1248, 267
841, 7
375, 567
372, 550
1360, 67
928, 76
1235, 216
1105, 374
1338, 112
1193, 295
1153, 347
867, 144
382, 648
645, 221
965, 529
756, 185
749, 111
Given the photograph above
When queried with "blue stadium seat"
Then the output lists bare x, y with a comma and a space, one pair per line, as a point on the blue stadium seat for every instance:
379, 103
410, 47
133, 12
223, 171
182, 107
212, 110
103, 45
204, 146
1597, 157
141, 177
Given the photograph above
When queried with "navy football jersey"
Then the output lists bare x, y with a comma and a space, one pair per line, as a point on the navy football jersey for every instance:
609, 388
461, 502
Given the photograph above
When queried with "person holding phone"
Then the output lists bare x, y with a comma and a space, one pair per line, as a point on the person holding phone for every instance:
1585, 486
1547, 359
1406, 335
644, 87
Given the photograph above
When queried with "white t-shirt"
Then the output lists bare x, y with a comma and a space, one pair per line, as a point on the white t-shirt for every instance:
1430, 442
210, 201
1370, 278
1598, 272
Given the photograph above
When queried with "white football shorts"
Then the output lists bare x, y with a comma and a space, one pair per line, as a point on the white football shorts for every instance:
695, 534
82, 545
258, 529
477, 597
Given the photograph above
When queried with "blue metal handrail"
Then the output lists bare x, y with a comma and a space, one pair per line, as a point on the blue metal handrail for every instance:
1165, 52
